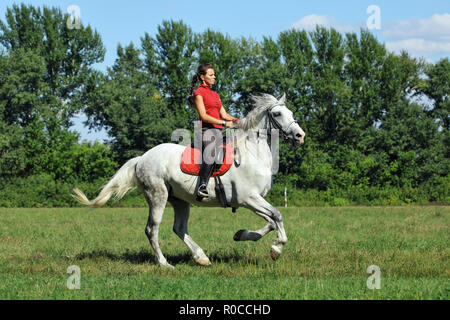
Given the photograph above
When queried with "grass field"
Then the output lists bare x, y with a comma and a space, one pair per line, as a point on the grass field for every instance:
327, 255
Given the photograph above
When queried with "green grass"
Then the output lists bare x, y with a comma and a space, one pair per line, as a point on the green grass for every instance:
327, 255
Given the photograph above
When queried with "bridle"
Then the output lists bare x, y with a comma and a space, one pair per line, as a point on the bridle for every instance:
272, 123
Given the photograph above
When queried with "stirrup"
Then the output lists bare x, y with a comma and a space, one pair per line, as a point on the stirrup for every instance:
202, 192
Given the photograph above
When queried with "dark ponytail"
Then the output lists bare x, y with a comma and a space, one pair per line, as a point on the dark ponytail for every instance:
195, 78
201, 70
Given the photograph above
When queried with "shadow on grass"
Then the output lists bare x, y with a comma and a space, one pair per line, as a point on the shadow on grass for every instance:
141, 257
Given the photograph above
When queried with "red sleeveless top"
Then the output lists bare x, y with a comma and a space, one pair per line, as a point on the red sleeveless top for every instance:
212, 103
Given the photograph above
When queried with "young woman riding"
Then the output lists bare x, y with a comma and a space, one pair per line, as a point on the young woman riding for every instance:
213, 117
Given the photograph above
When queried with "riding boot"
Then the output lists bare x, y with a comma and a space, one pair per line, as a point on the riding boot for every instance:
204, 175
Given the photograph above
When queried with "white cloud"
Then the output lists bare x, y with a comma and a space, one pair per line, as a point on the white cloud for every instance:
436, 27
419, 47
420, 37
309, 23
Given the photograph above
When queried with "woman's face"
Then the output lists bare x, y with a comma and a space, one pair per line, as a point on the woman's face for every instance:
209, 78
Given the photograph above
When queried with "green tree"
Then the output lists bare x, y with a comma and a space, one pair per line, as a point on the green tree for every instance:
297, 54
225, 54
406, 134
69, 54
24, 112
265, 72
331, 95
170, 54
130, 108
363, 75
437, 88
42, 72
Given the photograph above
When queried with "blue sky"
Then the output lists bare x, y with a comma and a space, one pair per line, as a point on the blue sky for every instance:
421, 27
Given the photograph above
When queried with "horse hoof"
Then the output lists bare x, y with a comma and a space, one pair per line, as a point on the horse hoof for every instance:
167, 266
204, 262
274, 253
237, 236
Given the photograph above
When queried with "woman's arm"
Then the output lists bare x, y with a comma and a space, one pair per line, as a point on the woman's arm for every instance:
200, 106
224, 114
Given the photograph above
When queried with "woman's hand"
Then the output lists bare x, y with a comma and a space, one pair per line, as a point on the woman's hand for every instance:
229, 124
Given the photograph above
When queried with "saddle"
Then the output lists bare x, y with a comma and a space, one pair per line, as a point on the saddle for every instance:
190, 160
190, 164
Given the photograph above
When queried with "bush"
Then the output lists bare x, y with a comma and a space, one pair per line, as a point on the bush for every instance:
438, 191
44, 191
34, 191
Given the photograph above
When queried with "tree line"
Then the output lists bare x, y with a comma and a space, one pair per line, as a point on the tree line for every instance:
377, 123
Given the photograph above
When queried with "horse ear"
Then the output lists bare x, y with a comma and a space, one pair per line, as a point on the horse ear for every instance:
283, 99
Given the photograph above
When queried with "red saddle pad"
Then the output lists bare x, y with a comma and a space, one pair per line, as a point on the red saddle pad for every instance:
190, 160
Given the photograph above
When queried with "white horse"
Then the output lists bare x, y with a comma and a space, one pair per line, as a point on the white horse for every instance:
157, 173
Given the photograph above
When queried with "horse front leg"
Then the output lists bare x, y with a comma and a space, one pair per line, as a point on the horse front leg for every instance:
261, 207
249, 235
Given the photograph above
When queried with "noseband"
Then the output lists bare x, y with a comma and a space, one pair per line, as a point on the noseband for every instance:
274, 124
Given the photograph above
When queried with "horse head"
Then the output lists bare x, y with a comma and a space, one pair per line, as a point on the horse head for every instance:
281, 118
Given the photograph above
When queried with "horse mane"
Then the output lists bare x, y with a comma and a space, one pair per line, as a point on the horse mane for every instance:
261, 103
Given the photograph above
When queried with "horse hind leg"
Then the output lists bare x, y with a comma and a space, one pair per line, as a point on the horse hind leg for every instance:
156, 197
180, 227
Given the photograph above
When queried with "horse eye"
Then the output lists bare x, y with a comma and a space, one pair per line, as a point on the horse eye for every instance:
276, 114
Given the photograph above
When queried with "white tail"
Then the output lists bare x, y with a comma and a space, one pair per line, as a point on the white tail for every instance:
123, 181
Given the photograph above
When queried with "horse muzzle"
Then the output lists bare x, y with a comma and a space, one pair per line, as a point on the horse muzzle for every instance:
297, 137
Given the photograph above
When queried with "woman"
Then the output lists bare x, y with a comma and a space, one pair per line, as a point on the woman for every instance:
213, 117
